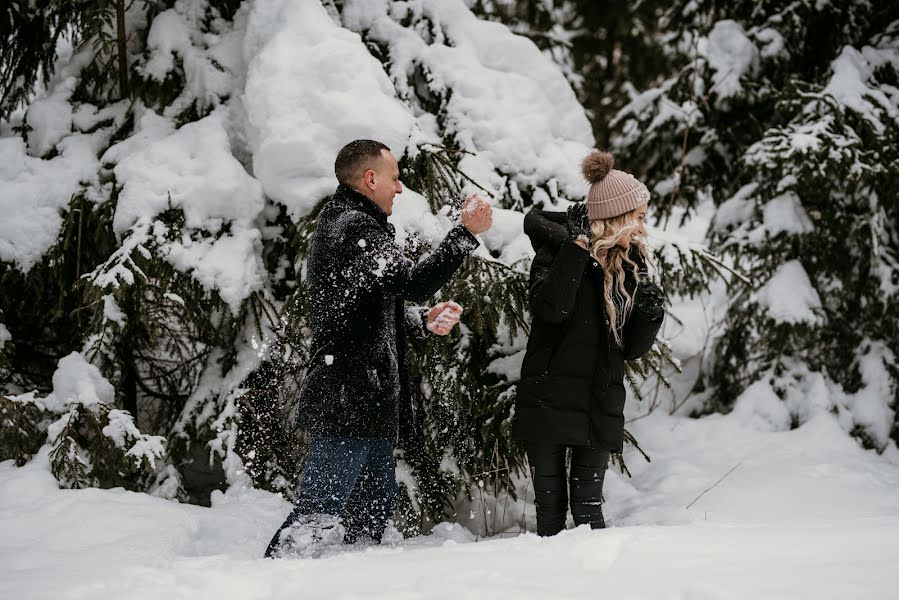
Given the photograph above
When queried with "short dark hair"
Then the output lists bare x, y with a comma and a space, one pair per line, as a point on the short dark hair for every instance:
355, 158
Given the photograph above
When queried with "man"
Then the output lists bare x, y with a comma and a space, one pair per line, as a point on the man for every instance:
355, 396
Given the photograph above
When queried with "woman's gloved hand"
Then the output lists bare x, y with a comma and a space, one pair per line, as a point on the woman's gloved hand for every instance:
650, 300
577, 222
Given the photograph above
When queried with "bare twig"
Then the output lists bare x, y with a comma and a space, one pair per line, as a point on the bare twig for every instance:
524, 504
495, 484
473, 475
683, 154
444, 160
505, 506
714, 484
483, 508
78, 248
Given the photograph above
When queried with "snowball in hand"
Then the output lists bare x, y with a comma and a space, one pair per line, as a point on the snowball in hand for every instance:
446, 319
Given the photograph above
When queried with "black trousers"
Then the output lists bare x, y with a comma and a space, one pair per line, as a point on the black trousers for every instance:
552, 484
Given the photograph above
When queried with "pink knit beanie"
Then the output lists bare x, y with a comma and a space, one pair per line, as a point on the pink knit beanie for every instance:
612, 192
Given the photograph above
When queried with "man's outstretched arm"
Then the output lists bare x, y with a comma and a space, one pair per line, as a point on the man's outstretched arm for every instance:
378, 263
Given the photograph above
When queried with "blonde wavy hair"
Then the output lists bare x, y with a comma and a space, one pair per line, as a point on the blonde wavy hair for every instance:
614, 259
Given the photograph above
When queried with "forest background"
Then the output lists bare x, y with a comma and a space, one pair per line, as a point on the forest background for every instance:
163, 164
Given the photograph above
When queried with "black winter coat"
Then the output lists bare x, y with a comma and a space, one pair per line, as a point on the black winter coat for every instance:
359, 280
572, 378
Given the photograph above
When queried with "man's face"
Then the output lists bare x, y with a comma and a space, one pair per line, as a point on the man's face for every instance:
384, 182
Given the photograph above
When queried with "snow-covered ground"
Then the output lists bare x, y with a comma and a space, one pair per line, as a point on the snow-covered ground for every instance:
805, 514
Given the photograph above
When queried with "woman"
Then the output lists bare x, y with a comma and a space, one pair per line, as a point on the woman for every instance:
592, 308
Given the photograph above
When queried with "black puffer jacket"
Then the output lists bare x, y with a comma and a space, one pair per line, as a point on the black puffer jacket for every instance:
572, 378
359, 278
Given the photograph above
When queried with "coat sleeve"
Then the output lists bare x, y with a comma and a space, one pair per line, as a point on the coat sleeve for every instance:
645, 320
553, 289
377, 263
540, 225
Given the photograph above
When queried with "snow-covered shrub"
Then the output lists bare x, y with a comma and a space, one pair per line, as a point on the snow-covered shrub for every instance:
99, 446
23, 428
92, 443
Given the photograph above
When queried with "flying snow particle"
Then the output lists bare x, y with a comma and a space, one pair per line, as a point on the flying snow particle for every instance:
382, 264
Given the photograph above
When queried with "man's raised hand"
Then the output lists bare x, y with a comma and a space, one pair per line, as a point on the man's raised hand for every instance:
477, 214
443, 317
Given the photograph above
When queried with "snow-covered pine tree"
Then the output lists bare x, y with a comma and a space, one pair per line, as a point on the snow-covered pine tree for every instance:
605, 49
90, 263
160, 230
779, 124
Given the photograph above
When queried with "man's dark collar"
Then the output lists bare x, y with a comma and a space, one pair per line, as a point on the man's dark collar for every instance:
360, 201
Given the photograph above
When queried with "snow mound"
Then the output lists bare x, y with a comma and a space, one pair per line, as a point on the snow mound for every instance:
77, 381
35, 192
507, 367
732, 56
852, 70
509, 104
789, 296
193, 169
776, 500
50, 117
785, 214
736, 209
312, 87
761, 408
870, 405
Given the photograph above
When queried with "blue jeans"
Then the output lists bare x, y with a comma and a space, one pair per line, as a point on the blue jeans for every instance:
347, 477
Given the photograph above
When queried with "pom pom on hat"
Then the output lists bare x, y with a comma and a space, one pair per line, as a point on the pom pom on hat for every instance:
597, 165
612, 192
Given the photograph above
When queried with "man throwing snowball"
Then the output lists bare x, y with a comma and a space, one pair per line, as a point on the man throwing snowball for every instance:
354, 401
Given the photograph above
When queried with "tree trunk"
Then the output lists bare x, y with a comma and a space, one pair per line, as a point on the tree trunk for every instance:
128, 390
129, 384
123, 56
